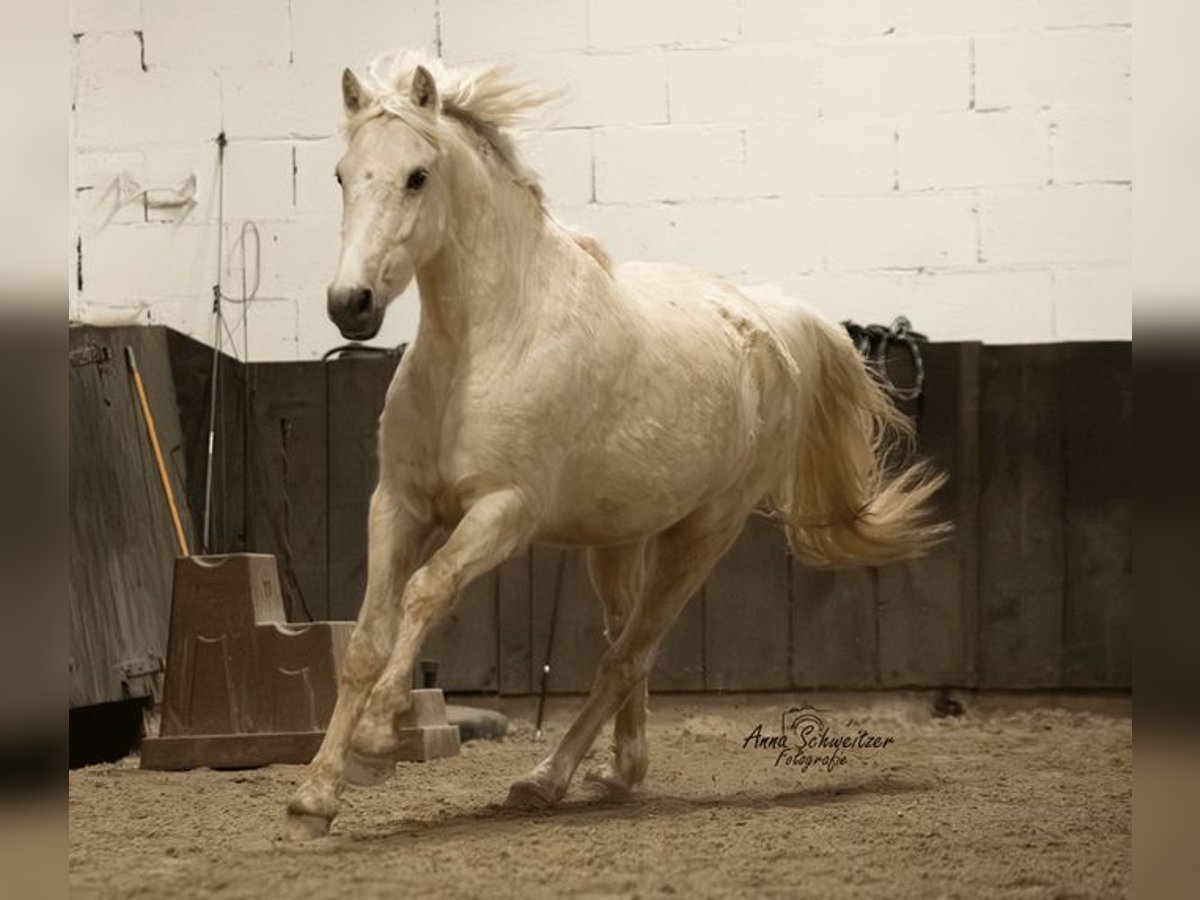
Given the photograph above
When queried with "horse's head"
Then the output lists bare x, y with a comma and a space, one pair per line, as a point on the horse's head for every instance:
394, 200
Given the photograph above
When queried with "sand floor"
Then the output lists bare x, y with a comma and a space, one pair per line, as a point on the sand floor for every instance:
1012, 799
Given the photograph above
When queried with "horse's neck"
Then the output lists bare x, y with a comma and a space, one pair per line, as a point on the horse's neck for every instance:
478, 288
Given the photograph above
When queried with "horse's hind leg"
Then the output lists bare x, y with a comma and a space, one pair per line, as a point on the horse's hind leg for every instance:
684, 556
619, 576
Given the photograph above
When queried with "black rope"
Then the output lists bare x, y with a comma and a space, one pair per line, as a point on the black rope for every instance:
558, 583
874, 341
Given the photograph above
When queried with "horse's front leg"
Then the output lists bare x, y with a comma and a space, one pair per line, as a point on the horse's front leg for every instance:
493, 529
395, 540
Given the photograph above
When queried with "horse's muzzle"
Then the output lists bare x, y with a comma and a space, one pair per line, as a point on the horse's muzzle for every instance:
354, 311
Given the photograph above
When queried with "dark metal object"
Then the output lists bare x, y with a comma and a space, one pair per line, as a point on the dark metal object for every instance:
89, 354
873, 342
356, 350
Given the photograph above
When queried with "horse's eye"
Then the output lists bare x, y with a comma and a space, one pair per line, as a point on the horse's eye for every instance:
338, 177
416, 179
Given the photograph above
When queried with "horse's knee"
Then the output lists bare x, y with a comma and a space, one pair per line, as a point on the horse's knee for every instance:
365, 659
426, 592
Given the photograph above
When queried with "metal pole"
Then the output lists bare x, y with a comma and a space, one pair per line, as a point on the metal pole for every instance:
205, 538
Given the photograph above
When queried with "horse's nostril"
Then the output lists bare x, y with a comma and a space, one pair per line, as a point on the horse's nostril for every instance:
362, 301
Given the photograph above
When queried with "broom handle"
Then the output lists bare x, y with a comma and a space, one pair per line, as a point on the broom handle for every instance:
158, 457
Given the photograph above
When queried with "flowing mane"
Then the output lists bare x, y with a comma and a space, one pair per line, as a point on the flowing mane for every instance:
489, 101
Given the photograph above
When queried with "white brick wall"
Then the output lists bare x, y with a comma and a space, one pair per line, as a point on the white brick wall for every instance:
964, 162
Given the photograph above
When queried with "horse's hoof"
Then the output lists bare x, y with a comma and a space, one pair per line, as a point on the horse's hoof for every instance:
607, 784
304, 827
531, 793
368, 771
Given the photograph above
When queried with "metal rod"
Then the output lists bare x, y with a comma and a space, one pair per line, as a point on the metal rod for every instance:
206, 532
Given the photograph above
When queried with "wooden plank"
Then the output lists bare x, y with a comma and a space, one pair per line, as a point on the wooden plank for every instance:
748, 615
680, 663
357, 389
1021, 565
835, 639
287, 480
927, 607
122, 540
514, 625
465, 645
579, 640
1098, 621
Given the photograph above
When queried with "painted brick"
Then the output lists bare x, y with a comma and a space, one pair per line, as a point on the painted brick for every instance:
676, 162
892, 77
508, 29
216, 32
866, 298
1055, 67
317, 191
712, 237
742, 83
974, 149
272, 328
825, 157
621, 24
108, 50
898, 232
1056, 225
129, 265
965, 17
167, 168
133, 108
622, 89
89, 16
258, 180
563, 159
299, 259
1073, 13
1092, 145
323, 32
282, 101
1093, 304
97, 200
192, 316
709, 235
1002, 307
811, 20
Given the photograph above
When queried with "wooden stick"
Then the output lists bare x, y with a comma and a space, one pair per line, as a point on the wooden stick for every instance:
158, 457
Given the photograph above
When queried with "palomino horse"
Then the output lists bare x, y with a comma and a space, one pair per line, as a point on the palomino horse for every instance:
642, 412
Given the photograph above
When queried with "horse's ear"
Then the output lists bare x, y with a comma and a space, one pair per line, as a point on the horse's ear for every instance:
353, 93
424, 91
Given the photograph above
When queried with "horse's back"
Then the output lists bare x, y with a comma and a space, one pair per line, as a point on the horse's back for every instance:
688, 409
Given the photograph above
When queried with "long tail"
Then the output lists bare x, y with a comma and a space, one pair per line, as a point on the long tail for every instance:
840, 505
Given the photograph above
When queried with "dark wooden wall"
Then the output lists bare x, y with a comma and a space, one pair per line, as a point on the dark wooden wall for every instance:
122, 541
1033, 591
